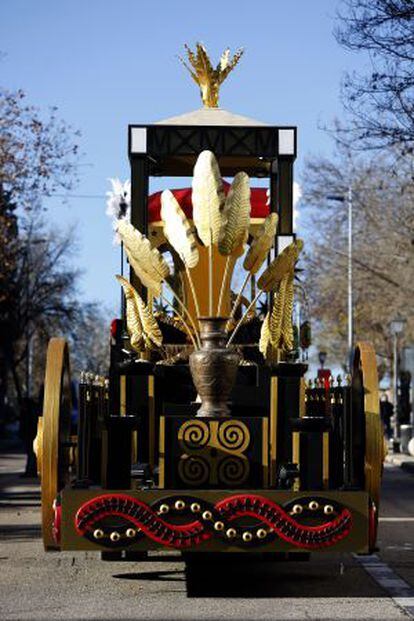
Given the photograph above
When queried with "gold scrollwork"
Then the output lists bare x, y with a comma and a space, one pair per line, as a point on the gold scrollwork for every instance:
213, 452
233, 470
193, 470
233, 436
193, 435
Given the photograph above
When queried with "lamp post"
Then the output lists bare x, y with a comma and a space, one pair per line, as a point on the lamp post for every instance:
396, 328
348, 199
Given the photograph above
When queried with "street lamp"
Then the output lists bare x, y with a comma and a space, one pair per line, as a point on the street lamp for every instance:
348, 199
396, 328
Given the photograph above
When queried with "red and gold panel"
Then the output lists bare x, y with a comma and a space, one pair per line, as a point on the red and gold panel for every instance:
226, 521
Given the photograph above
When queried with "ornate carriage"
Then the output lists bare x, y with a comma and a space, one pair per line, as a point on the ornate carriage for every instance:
286, 467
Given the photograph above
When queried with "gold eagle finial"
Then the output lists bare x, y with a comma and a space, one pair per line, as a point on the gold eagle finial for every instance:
209, 79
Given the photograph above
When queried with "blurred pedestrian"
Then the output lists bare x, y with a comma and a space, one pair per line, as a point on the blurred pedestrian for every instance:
29, 413
386, 412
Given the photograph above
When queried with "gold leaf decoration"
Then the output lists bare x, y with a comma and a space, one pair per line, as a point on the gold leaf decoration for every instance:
178, 230
277, 330
150, 327
276, 316
147, 262
269, 351
261, 244
264, 341
280, 266
173, 321
208, 198
202, 72
236, 217
141, 323
287, 326
134, 325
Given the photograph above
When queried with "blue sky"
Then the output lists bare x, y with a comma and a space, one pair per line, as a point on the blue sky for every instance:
106, 64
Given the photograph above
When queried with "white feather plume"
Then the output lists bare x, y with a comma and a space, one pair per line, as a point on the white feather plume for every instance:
120, 194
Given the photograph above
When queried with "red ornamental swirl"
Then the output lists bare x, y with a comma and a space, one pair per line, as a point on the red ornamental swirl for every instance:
269, 514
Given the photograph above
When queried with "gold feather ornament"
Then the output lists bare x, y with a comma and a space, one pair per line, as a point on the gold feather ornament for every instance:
234, 229
147, 262
264, 341
277, 330
142, 326
277, 313
287, 326
150, 327
257, 253
280, 266
270, 353
208, 198
178, 230
180, 234
261, 244
203, 73
134, 325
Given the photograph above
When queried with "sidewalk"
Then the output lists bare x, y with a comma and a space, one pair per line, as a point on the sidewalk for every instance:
404, 461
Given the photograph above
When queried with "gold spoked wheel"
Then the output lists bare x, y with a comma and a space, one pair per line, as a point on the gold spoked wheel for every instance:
55, 446
366, 365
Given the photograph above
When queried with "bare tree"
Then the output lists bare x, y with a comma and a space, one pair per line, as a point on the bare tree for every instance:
45, 302
89, 336
38, 151
8, 292
381, 102
383, 239
38, 155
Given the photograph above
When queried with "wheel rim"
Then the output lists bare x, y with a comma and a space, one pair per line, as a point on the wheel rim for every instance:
365, 363
56, 460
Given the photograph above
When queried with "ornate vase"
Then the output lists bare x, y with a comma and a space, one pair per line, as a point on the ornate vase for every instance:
214, 368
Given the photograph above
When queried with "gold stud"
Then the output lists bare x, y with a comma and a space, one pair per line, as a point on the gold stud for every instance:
163, 509
261, 533
207, 515
231, 533
247, 536
179, 505
130, 533
328, 509
98, 533
296, 509
115, 536
313, 505
195, 507
218, 525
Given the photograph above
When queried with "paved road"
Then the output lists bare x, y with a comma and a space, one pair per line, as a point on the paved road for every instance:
35, 585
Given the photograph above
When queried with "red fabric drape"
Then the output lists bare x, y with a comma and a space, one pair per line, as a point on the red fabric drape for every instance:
258, 201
